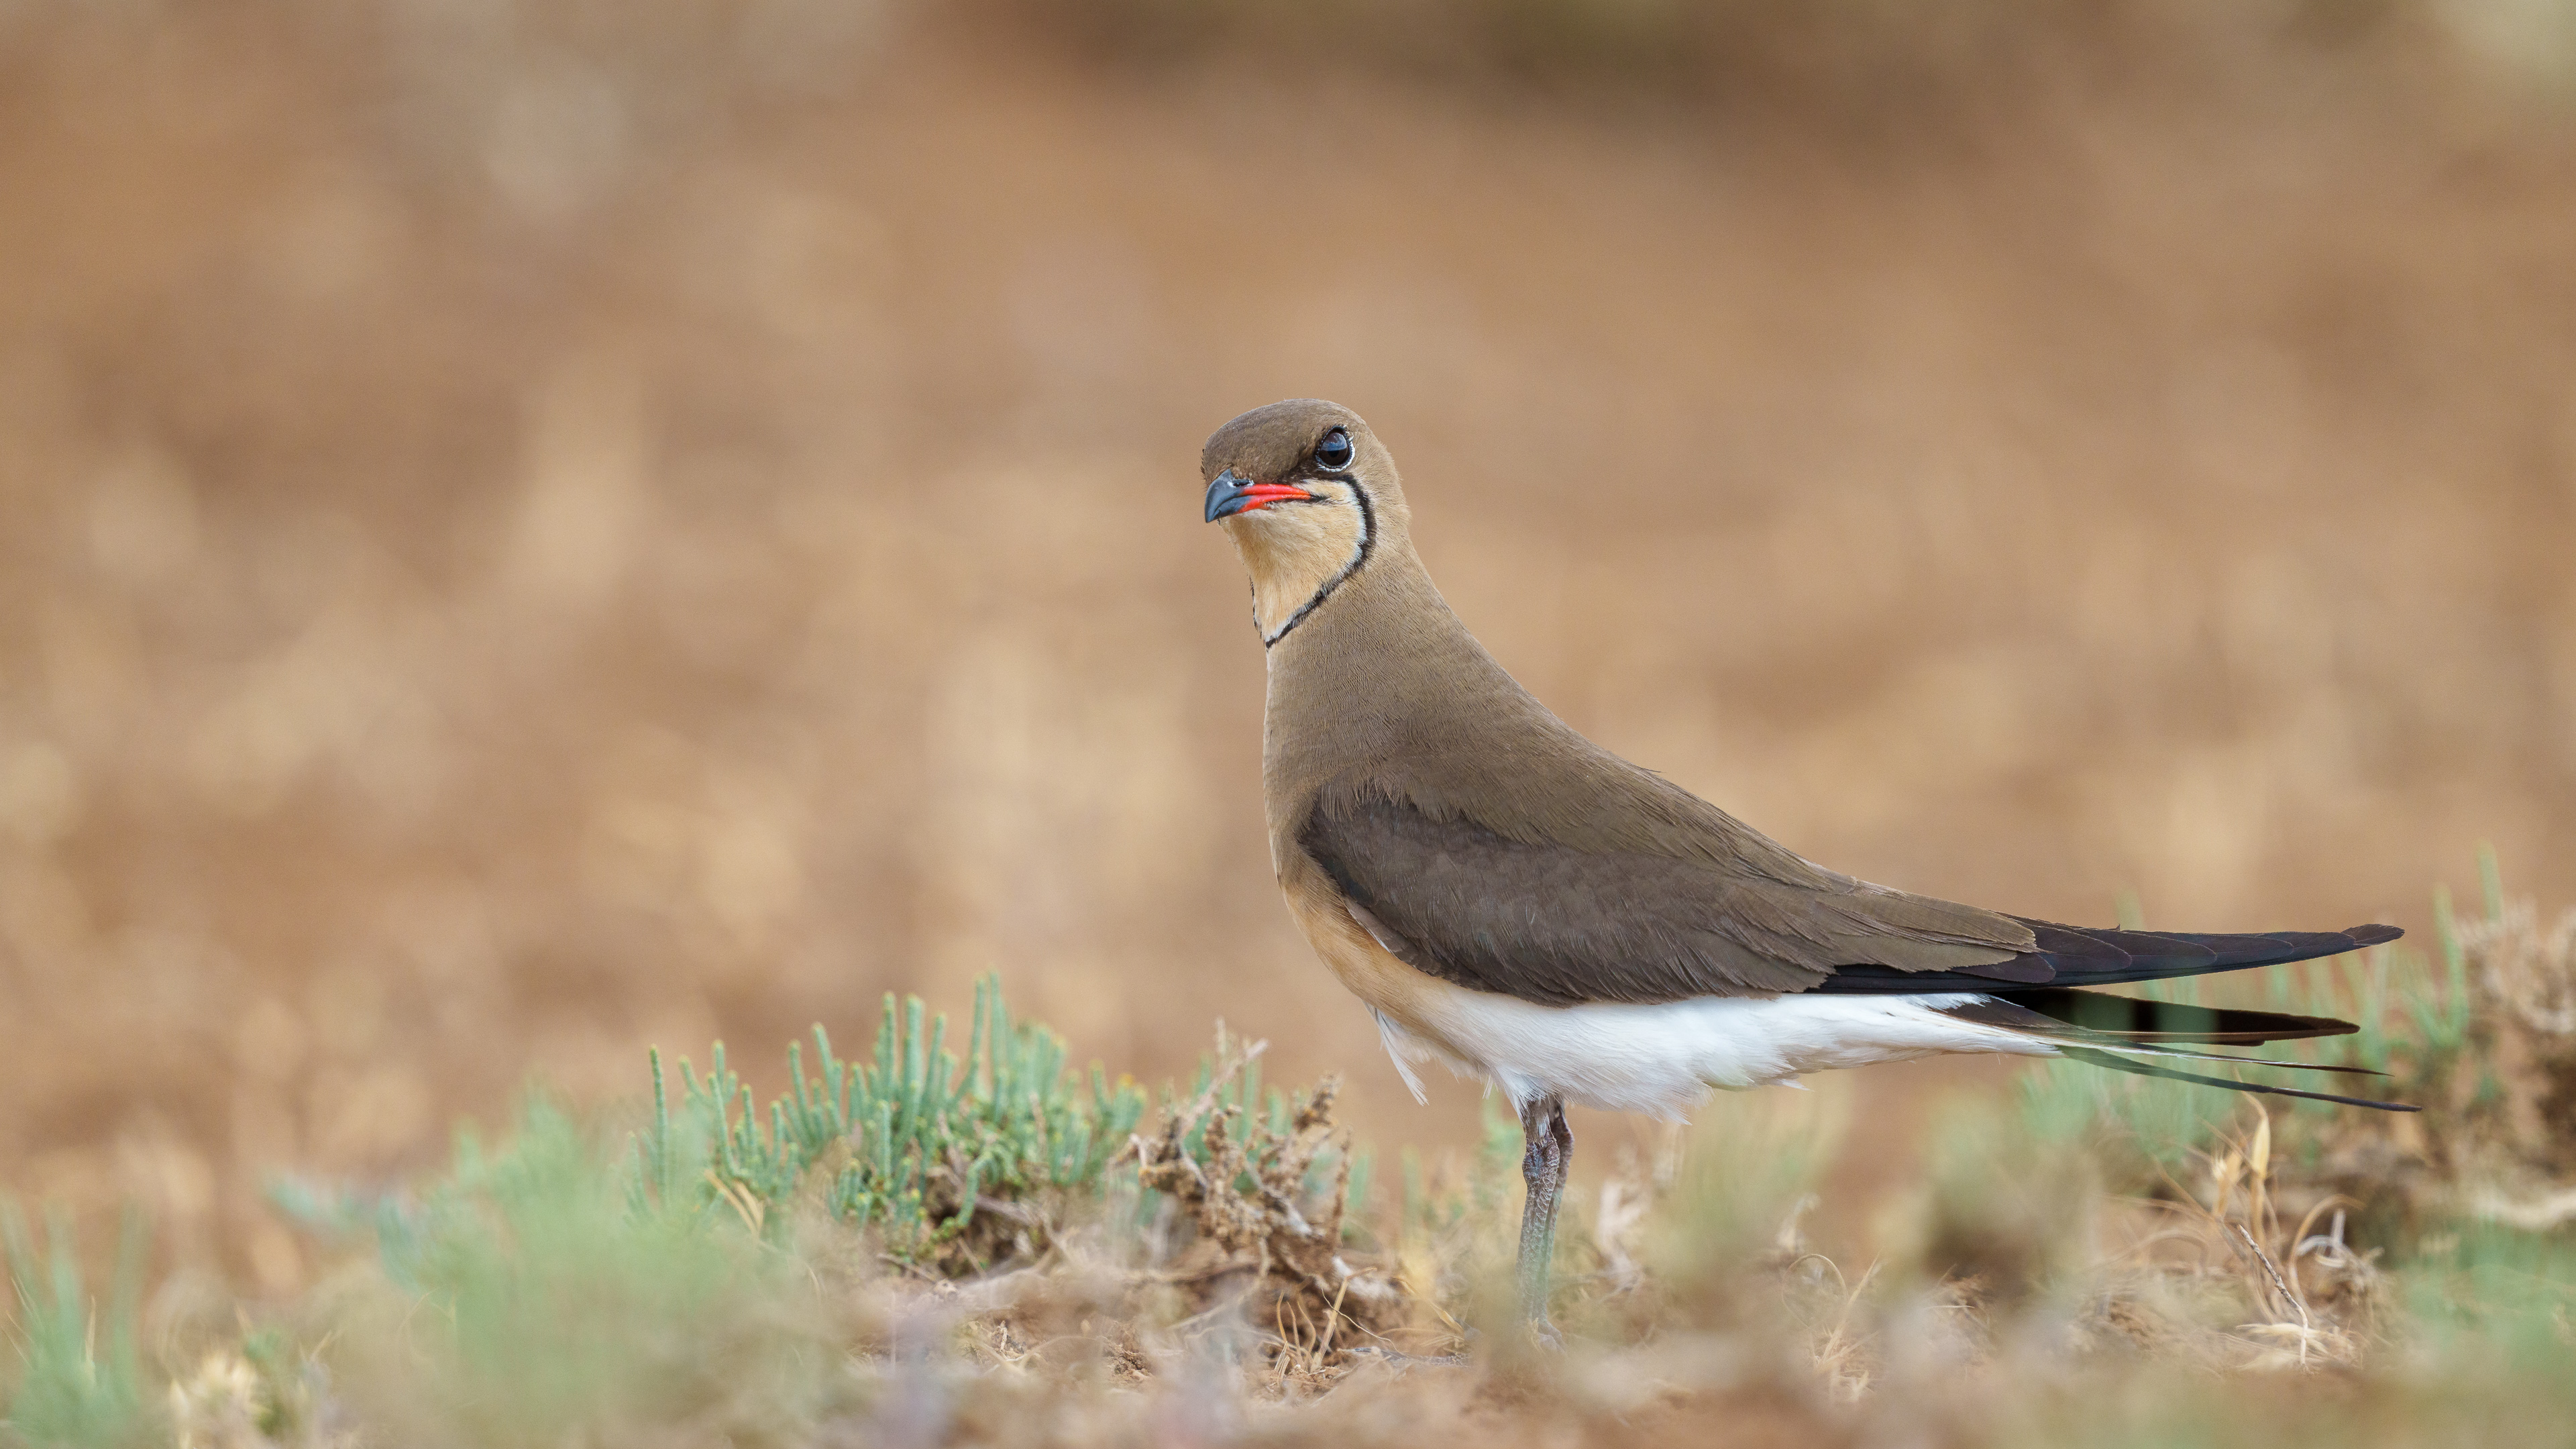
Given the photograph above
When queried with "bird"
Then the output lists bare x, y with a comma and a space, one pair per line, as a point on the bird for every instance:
1518, 904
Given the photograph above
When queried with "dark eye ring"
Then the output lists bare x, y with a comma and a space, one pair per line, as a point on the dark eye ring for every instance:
1333, 454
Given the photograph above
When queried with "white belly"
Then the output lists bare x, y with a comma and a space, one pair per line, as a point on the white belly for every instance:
1663, 1059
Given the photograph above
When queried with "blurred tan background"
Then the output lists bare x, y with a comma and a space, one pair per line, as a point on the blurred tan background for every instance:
531, 530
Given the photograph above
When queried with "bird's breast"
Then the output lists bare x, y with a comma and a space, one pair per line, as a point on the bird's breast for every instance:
1366, 969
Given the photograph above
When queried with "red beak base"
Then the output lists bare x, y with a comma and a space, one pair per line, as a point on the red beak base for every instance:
1262, 495
1231, 493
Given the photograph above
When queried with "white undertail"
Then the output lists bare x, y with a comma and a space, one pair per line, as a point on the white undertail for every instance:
1663, 1059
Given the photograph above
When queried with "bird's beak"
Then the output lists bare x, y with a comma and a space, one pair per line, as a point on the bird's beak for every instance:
1232, 493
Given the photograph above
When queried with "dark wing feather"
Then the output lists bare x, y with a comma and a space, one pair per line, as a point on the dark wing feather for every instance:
1556, 925
1552, 924
2072, 957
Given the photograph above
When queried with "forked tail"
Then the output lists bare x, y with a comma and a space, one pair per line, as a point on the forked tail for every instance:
2110, 1031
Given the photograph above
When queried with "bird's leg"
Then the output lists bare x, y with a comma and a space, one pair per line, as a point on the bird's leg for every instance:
1543, 1163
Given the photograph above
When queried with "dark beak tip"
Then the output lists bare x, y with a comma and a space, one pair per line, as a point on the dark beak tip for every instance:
1225, 495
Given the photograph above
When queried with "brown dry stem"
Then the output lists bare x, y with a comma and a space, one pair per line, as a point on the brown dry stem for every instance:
1267, 1249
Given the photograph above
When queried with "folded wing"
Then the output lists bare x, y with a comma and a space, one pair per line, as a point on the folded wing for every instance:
1545, 922
1555, 925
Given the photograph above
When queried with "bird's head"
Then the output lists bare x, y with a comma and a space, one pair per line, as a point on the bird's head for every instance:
1308, 493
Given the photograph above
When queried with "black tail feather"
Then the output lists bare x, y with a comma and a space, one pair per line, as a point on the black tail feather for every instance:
2188, 1054
2122, 1064
2149, 1028
2135, 1018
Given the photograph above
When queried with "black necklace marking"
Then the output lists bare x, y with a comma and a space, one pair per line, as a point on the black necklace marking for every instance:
1368, 542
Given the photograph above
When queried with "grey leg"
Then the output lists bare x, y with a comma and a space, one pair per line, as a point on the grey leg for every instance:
1543, 1163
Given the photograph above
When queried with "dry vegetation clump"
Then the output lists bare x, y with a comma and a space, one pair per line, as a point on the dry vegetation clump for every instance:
2488, 1046
2223, 1274
1264, 1245
2524, 982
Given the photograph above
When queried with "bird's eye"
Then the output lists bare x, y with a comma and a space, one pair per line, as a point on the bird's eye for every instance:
1334, 453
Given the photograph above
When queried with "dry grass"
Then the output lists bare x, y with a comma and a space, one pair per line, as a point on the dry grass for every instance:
1256, 1253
